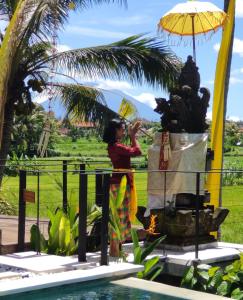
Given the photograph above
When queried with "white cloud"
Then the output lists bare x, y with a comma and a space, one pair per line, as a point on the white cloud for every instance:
97, 33
233, 118
146, 98
237, 48
119, 21
216, 47
236, 72
128, 21
113, 85
63, 48
209, 82
239, 9
235, 80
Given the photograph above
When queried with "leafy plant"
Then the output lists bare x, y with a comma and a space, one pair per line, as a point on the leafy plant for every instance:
233, 176
7, 208
63, 231
22, 162
115, 204
215, 280
151, 267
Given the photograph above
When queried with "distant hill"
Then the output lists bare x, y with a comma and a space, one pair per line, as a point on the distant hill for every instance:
113, 99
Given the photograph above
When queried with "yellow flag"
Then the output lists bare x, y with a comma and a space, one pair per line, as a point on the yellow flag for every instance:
214, 179
127, 109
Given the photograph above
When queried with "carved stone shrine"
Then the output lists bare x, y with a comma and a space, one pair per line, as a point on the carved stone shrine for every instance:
180, 151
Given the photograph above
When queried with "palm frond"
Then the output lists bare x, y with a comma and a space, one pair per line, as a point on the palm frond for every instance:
84, 4
43, 16
85, 104
137, 59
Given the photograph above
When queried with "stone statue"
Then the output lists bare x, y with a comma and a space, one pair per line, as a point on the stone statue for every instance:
185, 111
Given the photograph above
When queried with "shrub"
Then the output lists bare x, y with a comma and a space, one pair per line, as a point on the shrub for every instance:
7, 208
151, 266
216, 280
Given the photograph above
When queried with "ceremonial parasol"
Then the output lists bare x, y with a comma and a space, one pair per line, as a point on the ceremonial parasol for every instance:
192, 18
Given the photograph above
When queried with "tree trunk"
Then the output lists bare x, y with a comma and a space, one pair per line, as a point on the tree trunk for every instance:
6, 139
8, 49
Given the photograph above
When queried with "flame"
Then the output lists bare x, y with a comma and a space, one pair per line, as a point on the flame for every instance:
152, 226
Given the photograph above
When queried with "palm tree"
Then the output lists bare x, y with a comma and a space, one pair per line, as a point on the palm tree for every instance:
137, 58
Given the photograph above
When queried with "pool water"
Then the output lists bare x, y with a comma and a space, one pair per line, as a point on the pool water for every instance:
83, 291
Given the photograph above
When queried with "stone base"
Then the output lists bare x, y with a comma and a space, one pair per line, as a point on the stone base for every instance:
184, 241
179, 248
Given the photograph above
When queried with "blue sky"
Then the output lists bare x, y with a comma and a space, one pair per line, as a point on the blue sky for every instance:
108, 23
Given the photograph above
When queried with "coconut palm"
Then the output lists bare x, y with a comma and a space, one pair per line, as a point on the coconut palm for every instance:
137, 58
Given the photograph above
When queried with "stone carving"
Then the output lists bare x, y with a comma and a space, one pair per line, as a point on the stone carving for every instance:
185, 111
179, 225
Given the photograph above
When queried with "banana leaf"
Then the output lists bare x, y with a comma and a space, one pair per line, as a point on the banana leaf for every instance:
149, 264
155, 272
53, 242
151, 247
64, 233
35, 234
134, 239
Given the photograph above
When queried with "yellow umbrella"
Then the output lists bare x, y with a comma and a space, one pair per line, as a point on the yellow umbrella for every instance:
192, 18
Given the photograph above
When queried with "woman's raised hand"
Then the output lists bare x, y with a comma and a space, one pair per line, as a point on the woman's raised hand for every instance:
133, 129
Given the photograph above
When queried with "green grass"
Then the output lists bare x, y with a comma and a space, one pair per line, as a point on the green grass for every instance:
91, 147
232, 228
51, 195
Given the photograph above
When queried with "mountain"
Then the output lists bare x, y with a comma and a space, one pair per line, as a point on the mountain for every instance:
113, 99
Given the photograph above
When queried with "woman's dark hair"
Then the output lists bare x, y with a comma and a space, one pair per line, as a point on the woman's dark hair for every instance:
109, 135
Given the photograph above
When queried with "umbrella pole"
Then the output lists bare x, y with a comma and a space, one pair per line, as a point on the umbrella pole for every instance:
193, 39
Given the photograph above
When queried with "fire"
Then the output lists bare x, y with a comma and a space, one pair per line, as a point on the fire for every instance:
152, 226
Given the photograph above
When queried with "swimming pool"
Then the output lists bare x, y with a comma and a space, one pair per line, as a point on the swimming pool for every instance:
104, 290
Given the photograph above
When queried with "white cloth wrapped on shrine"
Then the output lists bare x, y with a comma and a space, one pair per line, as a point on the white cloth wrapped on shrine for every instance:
188, 154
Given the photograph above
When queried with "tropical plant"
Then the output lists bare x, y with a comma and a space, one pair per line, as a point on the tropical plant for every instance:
63, 231
27, 59
216, 280
27, 129
16, 163
152, 269
114, 219
7, 208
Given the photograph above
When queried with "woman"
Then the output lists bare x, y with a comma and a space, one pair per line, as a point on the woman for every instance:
120, 156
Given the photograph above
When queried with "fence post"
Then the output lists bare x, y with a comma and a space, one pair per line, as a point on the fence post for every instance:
64, 183
98, 187
197, 214
22, 207
105, 219
83, 189
38, 213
